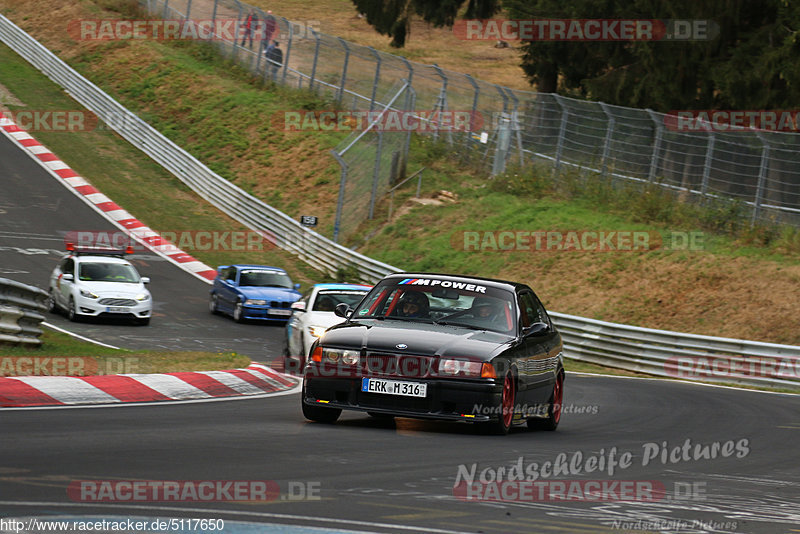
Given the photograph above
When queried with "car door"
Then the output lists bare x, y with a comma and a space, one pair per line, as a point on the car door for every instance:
538, 351
63, 286
296, 324
227, 289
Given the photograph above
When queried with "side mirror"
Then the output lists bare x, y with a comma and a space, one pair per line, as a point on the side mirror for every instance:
342, 310
299, 306
67, 276
536, 329
145, 279
297, 286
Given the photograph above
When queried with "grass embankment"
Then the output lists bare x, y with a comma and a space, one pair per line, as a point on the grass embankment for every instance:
740, 284
62, 354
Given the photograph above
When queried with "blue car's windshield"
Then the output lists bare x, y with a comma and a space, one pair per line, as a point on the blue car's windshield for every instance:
468, 304
262, 278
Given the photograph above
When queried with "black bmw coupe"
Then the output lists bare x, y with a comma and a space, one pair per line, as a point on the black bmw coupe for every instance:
437, 346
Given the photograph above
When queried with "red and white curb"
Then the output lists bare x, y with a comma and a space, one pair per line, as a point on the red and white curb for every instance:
101, 203
27, 391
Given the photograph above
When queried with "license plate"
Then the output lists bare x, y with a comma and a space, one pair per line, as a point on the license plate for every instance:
394, 387
116, 309
284, 313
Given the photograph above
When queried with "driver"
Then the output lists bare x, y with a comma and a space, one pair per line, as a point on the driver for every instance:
489, 311
413, 304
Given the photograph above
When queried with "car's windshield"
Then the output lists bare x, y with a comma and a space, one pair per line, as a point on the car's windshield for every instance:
262, 278
107, 272
468, 304
328, 299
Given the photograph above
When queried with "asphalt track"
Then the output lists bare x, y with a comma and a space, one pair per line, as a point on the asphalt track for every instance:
362, 474
36, 213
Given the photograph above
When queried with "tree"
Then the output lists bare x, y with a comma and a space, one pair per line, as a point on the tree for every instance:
393, 17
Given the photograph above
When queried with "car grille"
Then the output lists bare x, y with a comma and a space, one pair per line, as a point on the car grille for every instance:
117, 302
278, 304
399, 365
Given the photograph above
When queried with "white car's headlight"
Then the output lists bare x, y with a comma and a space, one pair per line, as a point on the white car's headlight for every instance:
255, 302
88, 294
317, 331
141, 297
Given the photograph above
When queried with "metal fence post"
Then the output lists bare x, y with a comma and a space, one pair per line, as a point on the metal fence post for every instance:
762, 178
659, 133
515, 126
166, 7
342, 182
707, 163
441, 102
214, 17
288, 50
607, 140
344, 69
503, 142
562, 132
188, 9
471, 80
376, 79
316, 57
376, 173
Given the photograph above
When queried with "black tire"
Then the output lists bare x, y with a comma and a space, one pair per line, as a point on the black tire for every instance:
72, 313
554, 410
213, 306
52, 307
320, 414
505, 416
238, 312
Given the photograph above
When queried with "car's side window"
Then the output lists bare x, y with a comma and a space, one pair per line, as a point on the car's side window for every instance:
540, 311
69, 266
230, 274
526, 309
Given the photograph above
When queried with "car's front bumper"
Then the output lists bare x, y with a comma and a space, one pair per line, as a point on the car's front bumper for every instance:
93, 308
446, 398
265, 313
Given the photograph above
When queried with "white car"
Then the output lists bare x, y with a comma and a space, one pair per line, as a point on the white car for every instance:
99, 283
312, 315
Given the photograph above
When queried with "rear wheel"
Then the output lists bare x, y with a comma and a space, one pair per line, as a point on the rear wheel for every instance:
213, 306
321, 414
52, 307
505, 416
554, 410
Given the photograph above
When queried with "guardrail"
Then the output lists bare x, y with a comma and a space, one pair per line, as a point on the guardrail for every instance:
21, 308
657, 352
288, 234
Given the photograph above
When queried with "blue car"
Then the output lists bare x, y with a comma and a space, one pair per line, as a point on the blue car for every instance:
253, 292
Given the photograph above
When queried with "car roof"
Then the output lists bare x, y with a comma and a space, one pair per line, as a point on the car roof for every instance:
491, 282
262, 267
331, 285
94, 258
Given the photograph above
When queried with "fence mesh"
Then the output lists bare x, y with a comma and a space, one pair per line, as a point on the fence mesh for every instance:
758, 169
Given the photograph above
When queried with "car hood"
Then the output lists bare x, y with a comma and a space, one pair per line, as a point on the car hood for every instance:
270, 293
419, 338
113, 289
322, 318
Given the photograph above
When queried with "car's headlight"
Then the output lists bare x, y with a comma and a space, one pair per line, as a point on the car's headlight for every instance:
317, 331
255, 302
347, 357
141, 297
88, 294
467, 368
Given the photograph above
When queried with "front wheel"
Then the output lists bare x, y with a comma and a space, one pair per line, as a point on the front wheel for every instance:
238, 312
72, 312
213, 305
505, 416
321, 414
52, 307
554, 410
